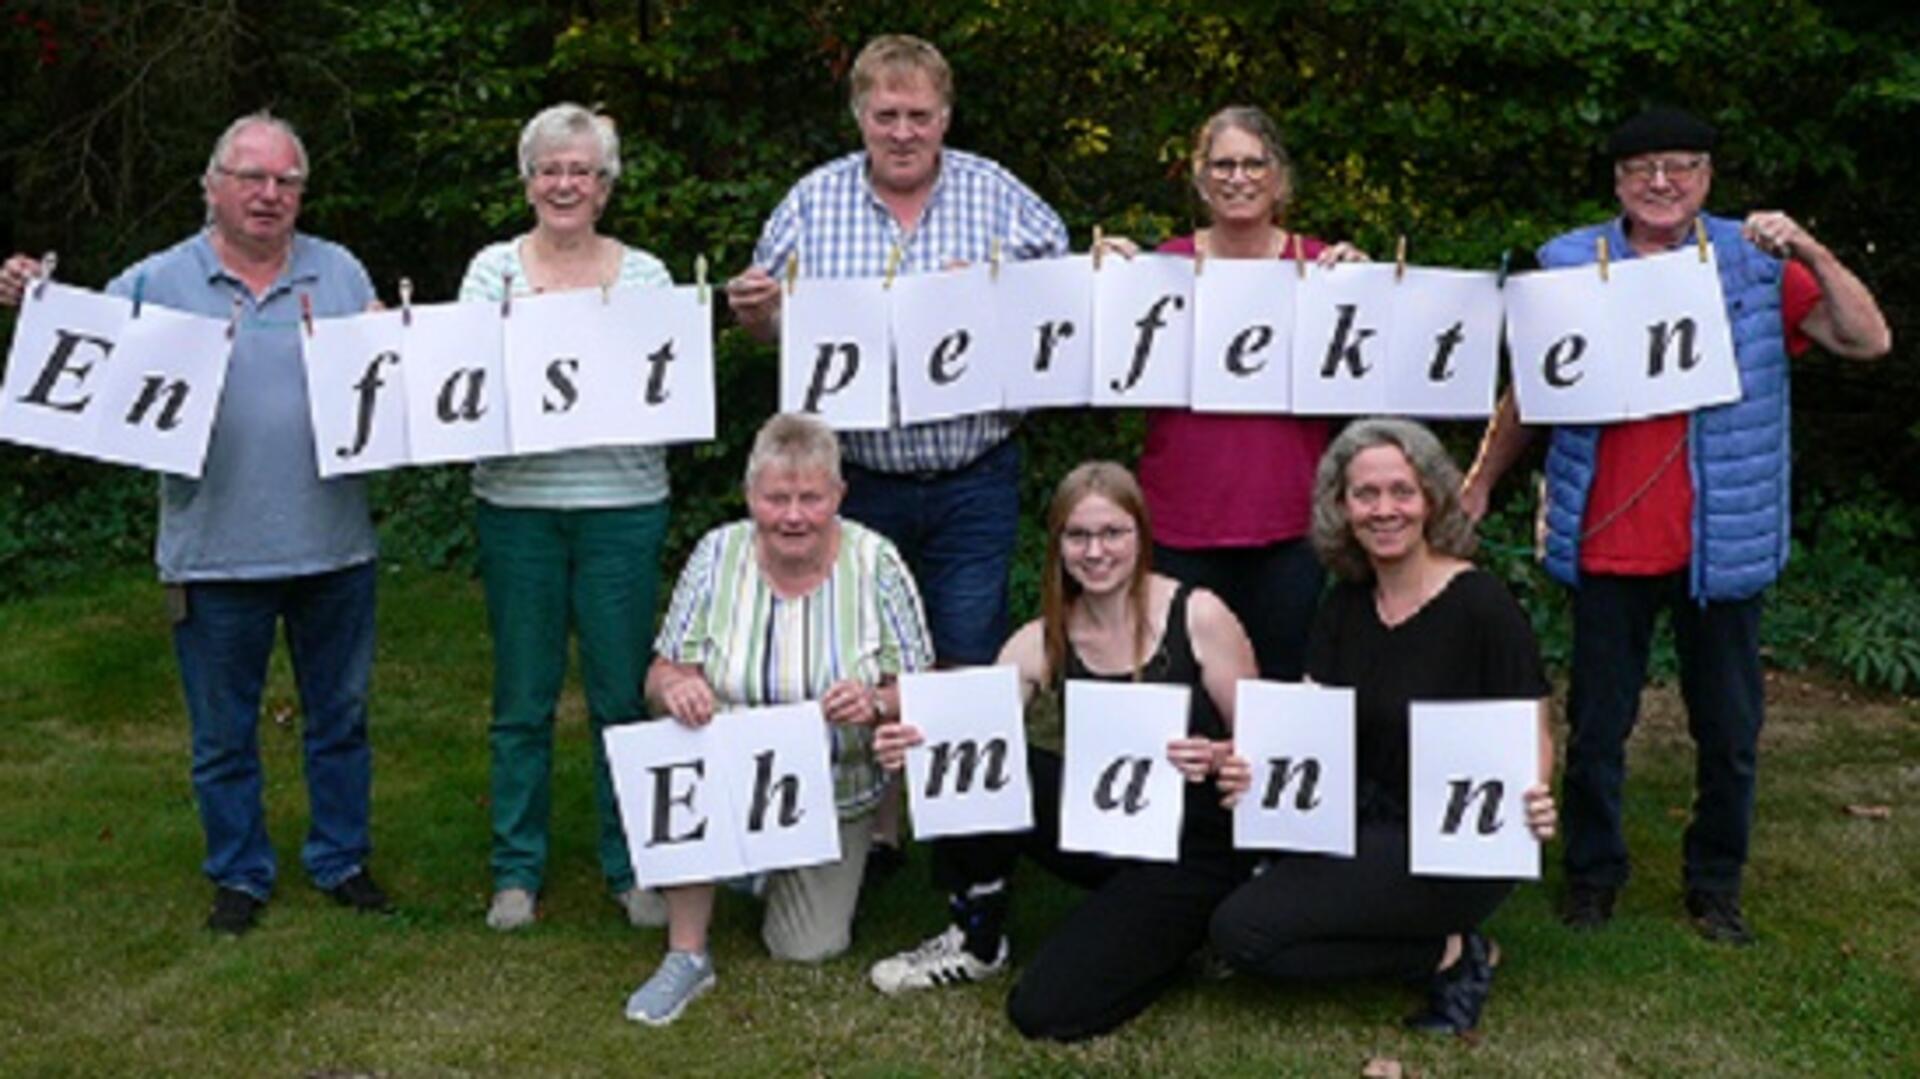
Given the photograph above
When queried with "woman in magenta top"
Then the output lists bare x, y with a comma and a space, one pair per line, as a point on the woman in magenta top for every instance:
1230, 495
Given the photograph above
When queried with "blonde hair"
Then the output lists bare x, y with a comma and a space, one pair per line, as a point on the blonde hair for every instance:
794, 442
1254, 121
1058, 589
893, 54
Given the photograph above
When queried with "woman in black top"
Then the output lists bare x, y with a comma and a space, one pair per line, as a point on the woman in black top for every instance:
1104, 616
1412, 619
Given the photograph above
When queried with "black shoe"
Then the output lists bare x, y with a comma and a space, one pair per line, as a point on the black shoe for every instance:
1716, 916
1587, 906
1456, 995
883, 861
234, 912
362, 894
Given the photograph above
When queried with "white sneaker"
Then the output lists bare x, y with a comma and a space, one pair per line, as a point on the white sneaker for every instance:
939, 960
679, 981
644, 907
512, 908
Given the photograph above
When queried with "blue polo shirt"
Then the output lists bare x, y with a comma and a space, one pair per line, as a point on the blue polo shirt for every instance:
260, 509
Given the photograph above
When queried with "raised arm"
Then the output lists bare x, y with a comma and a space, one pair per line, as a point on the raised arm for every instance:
1847, 321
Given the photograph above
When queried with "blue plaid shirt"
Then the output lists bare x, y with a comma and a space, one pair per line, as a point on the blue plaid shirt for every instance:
840, 228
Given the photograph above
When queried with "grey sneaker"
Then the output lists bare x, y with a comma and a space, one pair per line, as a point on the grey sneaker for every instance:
512, 908
939, 960
681, 978
644, 907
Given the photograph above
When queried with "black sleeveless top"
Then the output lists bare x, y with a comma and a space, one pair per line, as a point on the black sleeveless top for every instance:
1206, 827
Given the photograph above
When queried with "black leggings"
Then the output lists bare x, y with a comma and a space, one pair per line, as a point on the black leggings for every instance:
1313, 918
1116, 952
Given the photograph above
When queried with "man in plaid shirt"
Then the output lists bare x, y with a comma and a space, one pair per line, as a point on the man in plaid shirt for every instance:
944, 492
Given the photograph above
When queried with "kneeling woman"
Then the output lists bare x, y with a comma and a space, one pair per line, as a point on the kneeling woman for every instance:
1105, 617
1411, 620
794, 604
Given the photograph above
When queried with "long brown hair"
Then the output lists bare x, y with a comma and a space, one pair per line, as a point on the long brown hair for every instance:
1058, 589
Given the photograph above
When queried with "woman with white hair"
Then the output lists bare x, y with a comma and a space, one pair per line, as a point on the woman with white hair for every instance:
568, 540
792, 604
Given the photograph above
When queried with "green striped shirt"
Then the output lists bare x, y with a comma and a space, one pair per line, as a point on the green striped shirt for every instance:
598, 477
756, 648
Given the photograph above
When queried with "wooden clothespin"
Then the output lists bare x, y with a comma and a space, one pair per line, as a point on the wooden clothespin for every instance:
139, 292
506, 295
406, 301
606, 293
1199, 253
793, 271
233, 320
1299, 256
1098, 242
993, 260
1700, 234
893, 266
1600, 247
1400, 258
47, 263
306, 311
700, 289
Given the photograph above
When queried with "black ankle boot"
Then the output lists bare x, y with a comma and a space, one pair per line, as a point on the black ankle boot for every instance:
1456, 995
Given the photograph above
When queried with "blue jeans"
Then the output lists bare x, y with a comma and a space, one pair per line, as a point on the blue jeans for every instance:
956, 531
1718, 644
223, 645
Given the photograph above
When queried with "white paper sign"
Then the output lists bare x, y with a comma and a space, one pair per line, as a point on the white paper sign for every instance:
1142, 331
782, 782
162, 391
1299, 740
1243, 335
1120, 795
1045, 332
1678, 330
943, 334
1651, 339
1340, 329
356, 391
835, 351
1443, 351
1471, 763
969, 773
62, 346
748, 792
564, 352
453, 358
671, 389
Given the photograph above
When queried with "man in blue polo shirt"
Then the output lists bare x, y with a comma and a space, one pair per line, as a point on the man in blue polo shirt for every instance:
260, 538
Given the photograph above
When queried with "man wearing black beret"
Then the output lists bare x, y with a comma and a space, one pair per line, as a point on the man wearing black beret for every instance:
1684, 512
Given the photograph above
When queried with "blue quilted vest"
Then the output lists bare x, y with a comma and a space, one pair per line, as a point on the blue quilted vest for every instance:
1737, 453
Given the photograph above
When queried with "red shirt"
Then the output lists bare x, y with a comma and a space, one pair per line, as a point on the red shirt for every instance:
1639, 519
1229, 480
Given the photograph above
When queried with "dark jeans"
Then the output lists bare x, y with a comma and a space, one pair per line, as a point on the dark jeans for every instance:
223, 645
1719, 650
1125, 943
1273, 591
1312, 917
956, 531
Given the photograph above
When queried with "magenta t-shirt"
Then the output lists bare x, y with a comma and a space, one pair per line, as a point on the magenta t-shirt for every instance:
1219, 480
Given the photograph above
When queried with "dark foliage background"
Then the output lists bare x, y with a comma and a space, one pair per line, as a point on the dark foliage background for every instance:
1471, 126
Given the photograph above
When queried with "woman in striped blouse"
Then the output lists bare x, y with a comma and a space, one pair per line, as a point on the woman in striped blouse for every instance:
568, 540
792, 604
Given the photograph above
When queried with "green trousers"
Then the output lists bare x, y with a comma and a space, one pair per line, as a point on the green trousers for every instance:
596, 572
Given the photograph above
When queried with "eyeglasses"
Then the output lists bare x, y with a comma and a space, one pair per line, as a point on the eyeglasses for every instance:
252, 180
1253, 168
554, 172
1109, 536
1678, 169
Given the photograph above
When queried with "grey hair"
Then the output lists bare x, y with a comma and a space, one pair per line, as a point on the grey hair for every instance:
796, 442
563, 123
263, 118
1254, 121
890, 54
1449, 531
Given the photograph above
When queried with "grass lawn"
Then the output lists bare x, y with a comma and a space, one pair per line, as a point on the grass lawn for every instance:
108, 970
